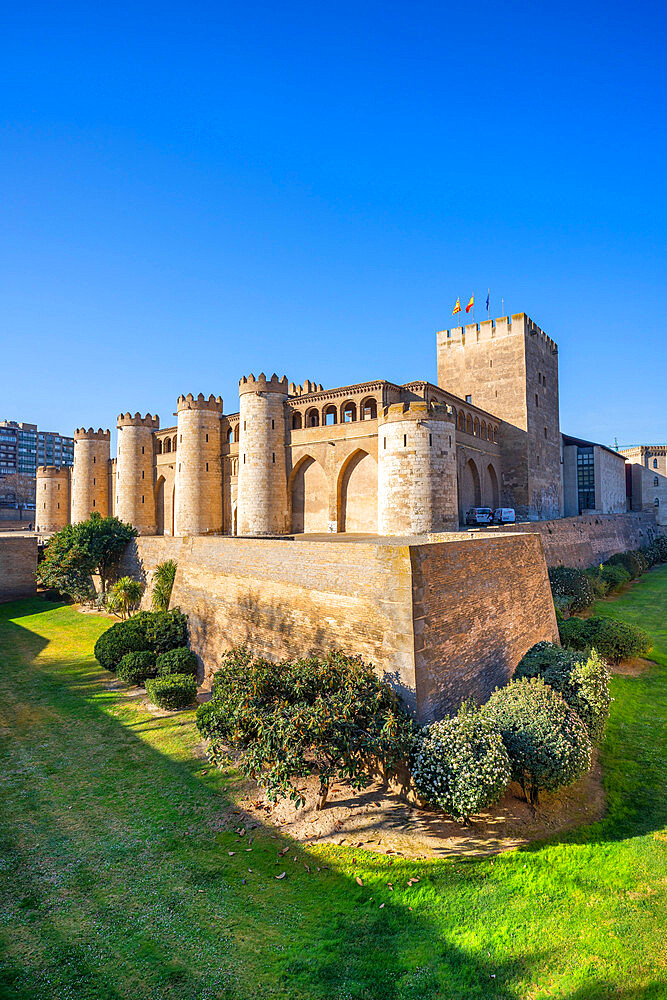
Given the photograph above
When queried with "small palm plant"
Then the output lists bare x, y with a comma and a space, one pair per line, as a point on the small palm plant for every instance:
125, 596
163, 581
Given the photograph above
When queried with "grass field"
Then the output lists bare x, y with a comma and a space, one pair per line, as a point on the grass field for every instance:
115, 881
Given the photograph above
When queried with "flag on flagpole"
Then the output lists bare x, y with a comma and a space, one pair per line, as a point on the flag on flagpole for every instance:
471, 304
488, 299
457, 308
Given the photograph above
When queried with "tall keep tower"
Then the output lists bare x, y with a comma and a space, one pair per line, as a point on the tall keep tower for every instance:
416, 469
262, 480
135, 497
510, 368
198, 477
52, 498
90, 475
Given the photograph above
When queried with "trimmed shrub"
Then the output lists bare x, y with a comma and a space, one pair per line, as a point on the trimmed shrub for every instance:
461, 764
134, 668
614, 575
332, 717
547, 742
656, 552
123, 637
614, 640
600, 585
583, 681
167, 630
174, 691
177, 661
628, 561
571, 588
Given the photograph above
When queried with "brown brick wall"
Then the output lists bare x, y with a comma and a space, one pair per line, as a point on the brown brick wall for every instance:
18, 565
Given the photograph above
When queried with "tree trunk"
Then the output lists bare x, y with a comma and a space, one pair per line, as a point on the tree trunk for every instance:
322, 797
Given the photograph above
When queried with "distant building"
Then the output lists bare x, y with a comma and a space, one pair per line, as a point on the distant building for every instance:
651, 456
593, 478
647, 478
23, 447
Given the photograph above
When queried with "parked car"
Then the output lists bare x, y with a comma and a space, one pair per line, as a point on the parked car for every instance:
479, 515
504, 515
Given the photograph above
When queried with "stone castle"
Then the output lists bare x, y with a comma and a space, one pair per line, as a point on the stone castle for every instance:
373, 458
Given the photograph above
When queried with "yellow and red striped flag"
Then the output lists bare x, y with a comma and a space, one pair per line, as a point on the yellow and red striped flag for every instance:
457, 307
471, 304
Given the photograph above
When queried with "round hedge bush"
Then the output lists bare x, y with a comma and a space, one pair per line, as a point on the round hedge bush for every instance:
123, 637
174, 691
157, 631
614, 575
177, 661
582, 680
629, 562
547, 742
461, 764
135, 668
571, 588
614, 640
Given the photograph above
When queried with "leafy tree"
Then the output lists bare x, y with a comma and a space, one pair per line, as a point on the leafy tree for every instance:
461, 764
78, 551
19, 489
571, 588
547, 742
125, 596
163, 582
331, 716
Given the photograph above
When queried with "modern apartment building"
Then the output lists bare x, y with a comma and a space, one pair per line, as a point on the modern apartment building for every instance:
24, 446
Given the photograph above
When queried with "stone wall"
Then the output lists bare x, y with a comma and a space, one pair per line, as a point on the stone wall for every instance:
143, 555
479, 604
441, 621
590, 538
18, 565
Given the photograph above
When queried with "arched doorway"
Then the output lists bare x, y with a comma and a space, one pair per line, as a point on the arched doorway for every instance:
159, 506
471, 494
493, 484
358, 495
309, 495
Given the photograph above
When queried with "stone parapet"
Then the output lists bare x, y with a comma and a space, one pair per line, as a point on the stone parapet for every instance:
81, 434
127, 420
262, 384
199, 402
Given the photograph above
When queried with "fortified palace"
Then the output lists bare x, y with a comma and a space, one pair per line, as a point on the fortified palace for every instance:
373, 458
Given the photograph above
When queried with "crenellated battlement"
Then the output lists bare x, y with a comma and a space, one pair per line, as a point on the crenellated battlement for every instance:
474, 333
53, 471
81, 434
127, 420
262, 384
199, 402
306, 389
415, 410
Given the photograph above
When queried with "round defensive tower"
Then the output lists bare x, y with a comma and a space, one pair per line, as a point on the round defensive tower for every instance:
90, 475
198, 478
135, 498
262, 479
52, 498
416, 469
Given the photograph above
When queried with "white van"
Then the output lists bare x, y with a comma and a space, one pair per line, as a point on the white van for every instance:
504, 515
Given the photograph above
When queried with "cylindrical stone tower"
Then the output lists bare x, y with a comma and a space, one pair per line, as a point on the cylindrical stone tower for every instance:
262, 480
134, 487
52, 498
416, 469
198, 477
90, 475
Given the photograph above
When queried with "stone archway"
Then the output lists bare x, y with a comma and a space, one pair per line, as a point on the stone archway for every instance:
471, 493
358, 494
494, 498
309, 495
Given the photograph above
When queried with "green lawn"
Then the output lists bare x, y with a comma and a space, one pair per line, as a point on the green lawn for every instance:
116, 882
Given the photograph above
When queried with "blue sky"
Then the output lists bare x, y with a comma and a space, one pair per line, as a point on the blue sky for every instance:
192, 192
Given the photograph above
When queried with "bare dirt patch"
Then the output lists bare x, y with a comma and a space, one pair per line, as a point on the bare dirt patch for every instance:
631, 668
379, 819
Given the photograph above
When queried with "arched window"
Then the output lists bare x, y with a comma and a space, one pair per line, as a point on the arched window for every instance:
656, 481
655, 463
159, 446
468, 424
495, 435
237, 431
329, 415
297, 421
483, 430
369, 409
462, 420
348, 412
167, 445
476, 427
656, 502
173, 443
312, 418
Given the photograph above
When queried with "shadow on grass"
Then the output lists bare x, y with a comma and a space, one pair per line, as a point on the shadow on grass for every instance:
118, 881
